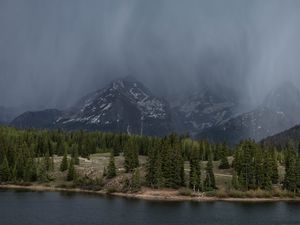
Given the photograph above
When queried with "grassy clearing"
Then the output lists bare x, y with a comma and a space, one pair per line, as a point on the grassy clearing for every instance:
94, 166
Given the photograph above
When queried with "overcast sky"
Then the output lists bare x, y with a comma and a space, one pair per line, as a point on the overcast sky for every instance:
52, 52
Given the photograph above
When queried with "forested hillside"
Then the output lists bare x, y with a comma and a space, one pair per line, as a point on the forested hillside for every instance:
281, 140
124, 163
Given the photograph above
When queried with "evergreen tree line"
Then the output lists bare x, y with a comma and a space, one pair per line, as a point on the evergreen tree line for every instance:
27, 155
256, 166
173, 161
41, 142
165, 165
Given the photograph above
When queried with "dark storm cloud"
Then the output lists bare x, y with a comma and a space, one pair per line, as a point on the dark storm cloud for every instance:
52, 52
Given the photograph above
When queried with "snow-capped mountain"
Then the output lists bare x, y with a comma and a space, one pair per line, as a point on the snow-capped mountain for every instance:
280, 110
125, 105
204, 109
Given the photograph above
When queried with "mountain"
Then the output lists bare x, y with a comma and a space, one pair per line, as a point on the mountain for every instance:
125, 105
44, 119
282, 139
280, 110
204, 109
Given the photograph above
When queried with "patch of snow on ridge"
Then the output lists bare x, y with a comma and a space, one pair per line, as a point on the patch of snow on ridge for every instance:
107, 106
96, 119
152, 108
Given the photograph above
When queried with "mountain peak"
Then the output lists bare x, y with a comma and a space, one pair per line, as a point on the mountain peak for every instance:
124, 105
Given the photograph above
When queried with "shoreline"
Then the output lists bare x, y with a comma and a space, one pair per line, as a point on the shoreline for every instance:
148, 194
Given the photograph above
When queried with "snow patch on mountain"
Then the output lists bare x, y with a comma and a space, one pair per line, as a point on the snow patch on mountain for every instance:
123, 105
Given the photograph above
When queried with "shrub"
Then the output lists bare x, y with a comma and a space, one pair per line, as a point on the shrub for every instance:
222, 194
111, 190
185, 192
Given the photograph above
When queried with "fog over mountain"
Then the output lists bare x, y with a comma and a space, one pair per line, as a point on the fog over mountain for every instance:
54, 52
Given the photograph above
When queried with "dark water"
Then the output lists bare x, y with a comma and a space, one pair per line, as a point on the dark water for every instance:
37, 208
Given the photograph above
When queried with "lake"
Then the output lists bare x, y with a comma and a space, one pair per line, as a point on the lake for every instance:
54, 208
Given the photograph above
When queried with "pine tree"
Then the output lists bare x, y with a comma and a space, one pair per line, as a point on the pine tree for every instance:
41, 173
290, 179
34, 171
244, 164
117, 145
176, 170
267, 171
75, 153
135, 182
150, 168
13, 176
224, 164
158, 175
195, 171
172, 166
298, 173
274, 168
131, 155
64, 163
167, 169
71, 171
209, 183
47, 162
27, 171
235, 181
4, 170
60, 148
76, 157
111, 169
260, 174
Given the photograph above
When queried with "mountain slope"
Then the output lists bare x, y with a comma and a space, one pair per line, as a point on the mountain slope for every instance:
124, 106
279, 111
282, 139
205, 109
40, 119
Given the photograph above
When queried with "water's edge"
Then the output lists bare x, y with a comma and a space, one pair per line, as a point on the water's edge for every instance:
153, 195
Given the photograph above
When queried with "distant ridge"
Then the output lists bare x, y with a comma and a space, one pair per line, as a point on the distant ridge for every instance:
282, 139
